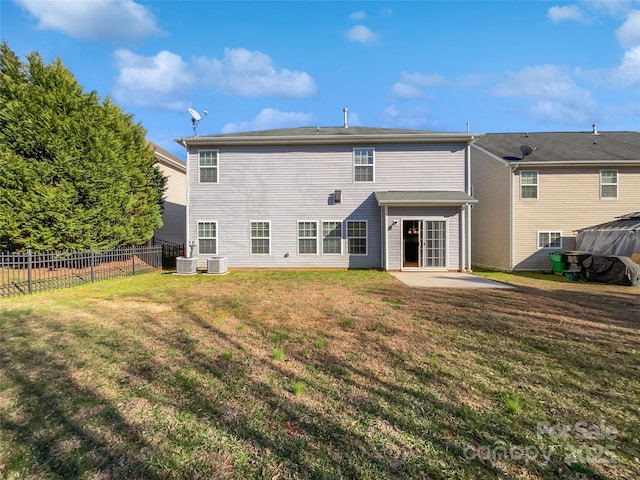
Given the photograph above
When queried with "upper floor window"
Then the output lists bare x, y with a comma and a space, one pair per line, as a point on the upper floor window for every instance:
208, 238
529, 184
260, 238
308, 238
363, 165
332, 237
208, 165
608, 184
357, 237
549, 239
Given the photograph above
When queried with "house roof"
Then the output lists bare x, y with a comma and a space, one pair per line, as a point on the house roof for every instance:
328, 135
564, 148
424, 198
166, 158
631, 221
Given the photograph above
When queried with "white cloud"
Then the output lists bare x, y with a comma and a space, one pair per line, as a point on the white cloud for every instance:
120, 21
629, 32
164, 80
362, 34
567, 13
628, 73
360, 15
416, 118
270, 118
412, 85
551, 91
252, 74
159, 81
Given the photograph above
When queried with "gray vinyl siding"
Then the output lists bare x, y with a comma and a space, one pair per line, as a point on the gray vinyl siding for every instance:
285, 185
454, 228
173, 223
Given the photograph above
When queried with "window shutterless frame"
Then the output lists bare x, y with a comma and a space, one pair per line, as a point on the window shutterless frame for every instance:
260, 232
609, 184
331, 237
549, 239
528, 184
357, 231
207, 237
307, 237
208, 166
364, 164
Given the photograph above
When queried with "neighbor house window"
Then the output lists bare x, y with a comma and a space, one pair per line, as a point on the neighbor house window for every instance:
549, 239
363, 165
208, 237
208, 164
357, 237
529, 184
260, 238
332, 237
308, 238
608, 184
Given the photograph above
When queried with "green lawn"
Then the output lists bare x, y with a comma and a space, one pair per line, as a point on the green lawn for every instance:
283, 374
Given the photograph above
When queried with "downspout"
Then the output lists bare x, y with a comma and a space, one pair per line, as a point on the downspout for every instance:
385, 238
511, 216
468, 209
187, 253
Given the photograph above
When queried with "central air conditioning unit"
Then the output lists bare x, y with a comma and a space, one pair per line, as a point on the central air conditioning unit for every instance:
217, 265
186, 265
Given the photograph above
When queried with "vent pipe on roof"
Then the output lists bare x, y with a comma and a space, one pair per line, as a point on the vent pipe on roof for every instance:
595, 129
345, 110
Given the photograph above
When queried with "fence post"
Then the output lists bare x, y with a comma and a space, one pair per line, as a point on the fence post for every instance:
29, 272
92, 260
133, 260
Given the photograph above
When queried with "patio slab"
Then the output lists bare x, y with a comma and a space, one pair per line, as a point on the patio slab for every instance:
447, 280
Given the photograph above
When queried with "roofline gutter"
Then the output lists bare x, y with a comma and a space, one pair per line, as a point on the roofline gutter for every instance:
426, 203
378, 139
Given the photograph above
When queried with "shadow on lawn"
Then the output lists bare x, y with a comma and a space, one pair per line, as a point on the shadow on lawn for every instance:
237, 417
59, 428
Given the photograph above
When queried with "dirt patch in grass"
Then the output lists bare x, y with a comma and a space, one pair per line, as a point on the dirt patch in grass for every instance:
320, 375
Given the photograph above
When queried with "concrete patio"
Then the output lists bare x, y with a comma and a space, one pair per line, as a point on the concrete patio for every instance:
447, 280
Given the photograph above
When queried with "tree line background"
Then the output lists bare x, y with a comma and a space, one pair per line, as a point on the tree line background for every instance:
76, 172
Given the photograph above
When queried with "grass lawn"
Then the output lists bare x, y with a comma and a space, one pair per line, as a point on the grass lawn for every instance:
279, 374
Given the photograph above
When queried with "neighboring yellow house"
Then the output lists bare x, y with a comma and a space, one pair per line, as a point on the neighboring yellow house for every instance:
174, 216
535, 190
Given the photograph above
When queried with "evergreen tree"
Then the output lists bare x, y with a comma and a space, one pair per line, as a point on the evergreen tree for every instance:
75, 172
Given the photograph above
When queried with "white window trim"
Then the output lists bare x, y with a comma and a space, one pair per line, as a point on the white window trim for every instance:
217, 167
251, 238
617, 184
198, 238
539, 247
366, 237
322, 222
537, 185
298, 237
353, 164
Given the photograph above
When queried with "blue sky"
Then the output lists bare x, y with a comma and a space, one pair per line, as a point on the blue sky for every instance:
503, 66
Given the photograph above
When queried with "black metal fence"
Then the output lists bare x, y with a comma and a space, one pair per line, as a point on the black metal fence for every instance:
170, 251
29, 272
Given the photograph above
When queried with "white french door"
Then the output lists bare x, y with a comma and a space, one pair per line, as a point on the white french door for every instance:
424, 244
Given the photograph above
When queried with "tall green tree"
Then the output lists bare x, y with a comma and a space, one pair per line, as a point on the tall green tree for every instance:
75, 172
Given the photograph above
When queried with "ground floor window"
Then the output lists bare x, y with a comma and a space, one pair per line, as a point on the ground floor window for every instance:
208, 238
357, 237
549, 239
308, 238
332, 238
260, 238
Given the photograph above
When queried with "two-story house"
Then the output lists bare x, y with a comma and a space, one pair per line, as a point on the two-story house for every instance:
536, 189
330, 197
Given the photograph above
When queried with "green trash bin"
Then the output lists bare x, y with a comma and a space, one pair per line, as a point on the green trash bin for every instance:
557, 263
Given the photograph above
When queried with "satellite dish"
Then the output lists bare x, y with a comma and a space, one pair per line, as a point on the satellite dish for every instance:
195, 118
526, 150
